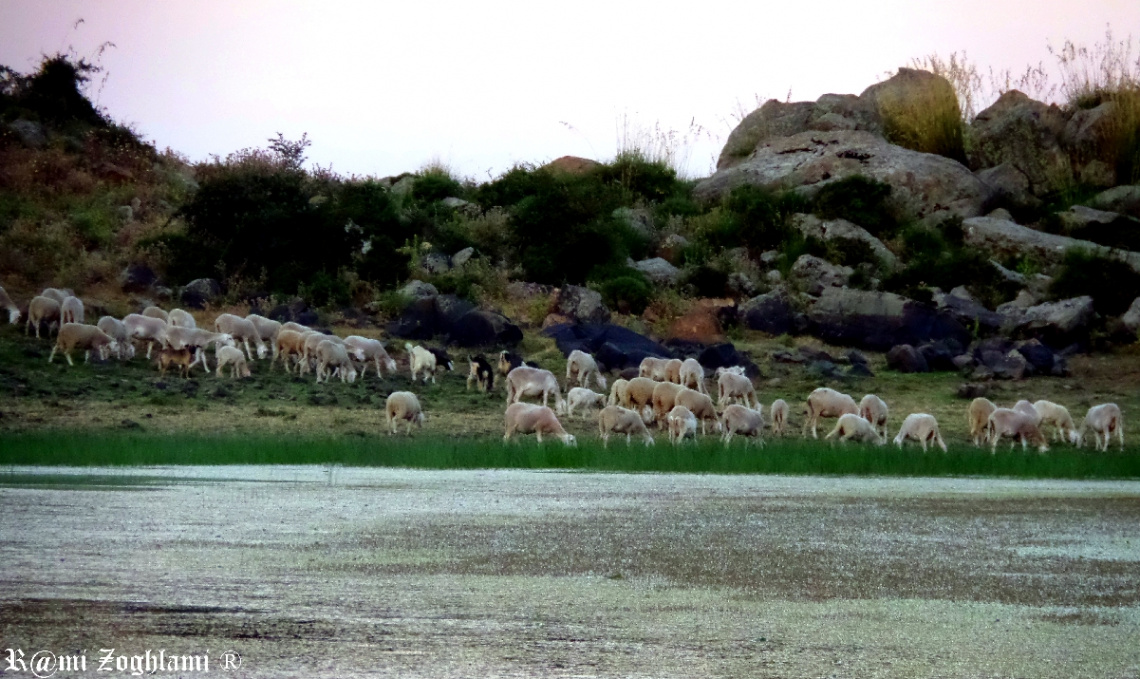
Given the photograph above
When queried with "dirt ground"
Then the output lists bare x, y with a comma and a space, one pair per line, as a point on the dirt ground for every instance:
334, 572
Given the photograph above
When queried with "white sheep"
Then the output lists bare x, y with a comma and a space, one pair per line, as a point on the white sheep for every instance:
58, 294
619, 393
1015, 425
149, 329
525, 381
309, 351
874, 410
526, 418
118, 331
180, 319
617, 420
226, 355
1058, 417
656, 369
1102, 420
420, 359
295, 327
701, 406
368, 349
1026, 408
581, 397
242, 331
682, 424
198, 340
693, 375
74, 336
978, 417
733, 388
779, 412
663, 400
639, 397
738, 419
403, 406
579, 367
330, 354
42, 310
734, 369
920, 427
156, 312
71, 310
7, 303
851, 427
825, 402
267, 329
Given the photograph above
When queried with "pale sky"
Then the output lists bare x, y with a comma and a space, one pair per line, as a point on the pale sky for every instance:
388, 87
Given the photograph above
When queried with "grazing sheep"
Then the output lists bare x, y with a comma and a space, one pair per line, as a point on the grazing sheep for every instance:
734, 369
242, 331
656, 369
403, 406
295, 327
74, 336
71, 310
779, 412
180, 319
290, 343
183, 358
308, 360
701, 406
874, 410
42, 310
732, 387
226, 355
368, 349
738, 419
619, 393
442, 359
682, 424
267, 329
7, 303
118, 331
421, 359
1016, 425
617, 420
1103, 419
526, 418
526, 381
148, 329
922, 428
852, 427
58, 294
673, 370
197, 340
639, 396
824, 402
156, 312
663, 400
1059, 418
480, 372
579, 367
330, 354
693, 375
1026, 408
978, 416
581, 397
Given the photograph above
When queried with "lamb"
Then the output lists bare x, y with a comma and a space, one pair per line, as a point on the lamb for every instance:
639, 396
922, 428
422, 359
701, 406
181, 319
1005, 422
734, 369
118, 331
525, 381
290, 343
368, 349
663, 399
743, 421
57, 294
525, 418
779, 411
71, 310
242, 331
183, 358
231, 356
732, 387
330, 354
1103, 419
74, 336
197, 340
481, 373
656, 369
682, 424
7, 303
42, 310
579, 367
617, 420
155, 312
824, 402
150, 329
693, 375
874, 410
978, 417
619, 393
1058, 416
581, 397
309, 350
267, 329
403, 406
852, 427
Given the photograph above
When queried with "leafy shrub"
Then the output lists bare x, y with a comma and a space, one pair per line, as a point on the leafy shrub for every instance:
1111, 282
756, 218
925, 119
860, 200
324, 289
934, 260
640, 178
628, 293
435, 185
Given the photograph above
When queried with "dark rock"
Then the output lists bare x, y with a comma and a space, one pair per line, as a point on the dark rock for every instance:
198, 293
905, 358
1010, 366
617, 347
787, 357
29, 132
771, 312
825, 369
971, 314
972, 390
860, 370
426, 317
855, 358
964, 361
879, 320
1038, 355
1059, 323
582, 305
137, 278
484, 328
939, 356
813, 354
725, 355
1060, 366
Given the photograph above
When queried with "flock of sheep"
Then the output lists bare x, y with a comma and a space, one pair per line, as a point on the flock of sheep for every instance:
670, 394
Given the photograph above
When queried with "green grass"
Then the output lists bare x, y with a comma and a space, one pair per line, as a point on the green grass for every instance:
795, 457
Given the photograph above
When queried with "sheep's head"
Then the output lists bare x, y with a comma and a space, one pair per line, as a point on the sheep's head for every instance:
569, 440
390, 365
226, 339
13, 315
262, 350
351, 374
1074, 437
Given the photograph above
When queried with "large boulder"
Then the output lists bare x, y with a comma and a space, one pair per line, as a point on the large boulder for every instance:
572, 165
659, 271
922, 184
725, 355
840, 230
1121, 199
814, 275
1059, 324
581, 305
137, 278
1131, 318
906, 359
617, 348
879, 320
426, 317
773, 313
417, 289
1008, 184
1003, 238
200, 292
970, 313
478, 328
1025, 134
29, 132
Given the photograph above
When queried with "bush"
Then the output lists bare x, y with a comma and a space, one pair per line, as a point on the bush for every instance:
860, 200
928, 120
708, 281
628, 293
757, 218
934, 259
1111, 282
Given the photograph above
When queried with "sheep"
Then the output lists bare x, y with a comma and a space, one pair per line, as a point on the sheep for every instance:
118, 331
480, 372
71, 310
732, 387
226, 355
196, 339
74, 336
57, 294
242, 331
290, 343
422, 359
852, 427
369, 349
526, 381
180, 319
335, 355
978, 416
682, 424
309, 351
585, 399
663, 399
1026, 408
508, 362
295, 327
639, 396
824, 402
734, 369
874, 410
267, 329
701, 406
42, 310
617, 420
779, 411
525, 418
150, 329
7, 303
1058, 416
403, 405
922, 428
738, 419
183, 358
1102, 419
156, 312
1006, 422
619, 393
579, 367
656, 369
442, 359
693, 375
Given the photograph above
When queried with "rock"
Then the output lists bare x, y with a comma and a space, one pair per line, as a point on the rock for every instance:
460, 258
484, 328
29, 132
740, 284
555, 319
1121, 199
163, 293
922, 184
1083, 137
964, 361
969, 313
774, 277
905, 358
771, 312
699, 325
823, 369
457, 203
199, 292
1059, 323
1026, 135
1011, 366
581, 304
769, 257
1079, 217
659, 271
427, 317
1001, 213
637, 218
1008, 184
725, 355
1039, 356
912, 102
1002, 238
841, 229
860, 370
1131, 318
521, 290
1016, 307
971, 391
879, 320
855, 358
137, 278
938, 356
435, 262
125, 213
672, 247
616, 347
403, 186
813, 354
814, 274
417, 289
572, 165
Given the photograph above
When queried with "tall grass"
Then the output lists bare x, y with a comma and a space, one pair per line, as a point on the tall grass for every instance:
793, 457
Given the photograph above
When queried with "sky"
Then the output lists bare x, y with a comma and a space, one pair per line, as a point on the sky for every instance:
385, 87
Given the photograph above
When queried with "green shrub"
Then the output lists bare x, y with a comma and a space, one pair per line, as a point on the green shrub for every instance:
324, 289
434, 186
934, 259
860, 200
640, 178
628, 293
1111, 282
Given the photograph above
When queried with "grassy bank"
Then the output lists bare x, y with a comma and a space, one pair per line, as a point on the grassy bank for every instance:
427, 452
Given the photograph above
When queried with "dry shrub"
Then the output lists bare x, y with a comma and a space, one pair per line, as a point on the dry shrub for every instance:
925, 118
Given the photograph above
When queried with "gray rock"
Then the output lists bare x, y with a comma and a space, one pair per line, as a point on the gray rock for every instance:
137, 278
403, 186
460, 258
455, 203
1059, 323
1083, 138
1131, 318
581, 304
832, 229
199, 292
769, 257
638, 219
1121, 199
772, 312
1008, 184
774, 277
741, 284
906, 359
879, 320
1079, 217
1026, 135
1002, 238
435, 262
125, 213
29, 132
1001, 213
417, 289
814, 274
659, 271
964, 361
